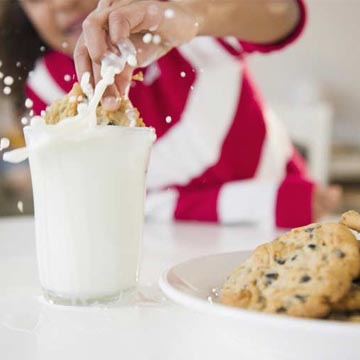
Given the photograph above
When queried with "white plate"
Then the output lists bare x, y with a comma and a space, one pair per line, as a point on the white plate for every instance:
255, 334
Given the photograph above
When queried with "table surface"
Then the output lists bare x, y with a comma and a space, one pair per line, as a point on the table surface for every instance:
153, 329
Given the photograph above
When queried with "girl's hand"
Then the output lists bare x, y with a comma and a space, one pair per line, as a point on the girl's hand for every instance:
154, 27
326, 200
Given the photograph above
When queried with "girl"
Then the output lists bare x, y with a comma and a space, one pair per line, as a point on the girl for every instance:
220, 155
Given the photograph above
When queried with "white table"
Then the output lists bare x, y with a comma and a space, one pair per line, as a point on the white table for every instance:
156, 329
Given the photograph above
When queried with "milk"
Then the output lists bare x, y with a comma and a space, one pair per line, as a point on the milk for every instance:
89, 187
89, 211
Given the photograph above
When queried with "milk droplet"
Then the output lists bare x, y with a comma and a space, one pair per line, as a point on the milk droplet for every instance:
20, 206
67, 77
131, 60
18, 64
169, 13
191, 87
183, 74
156, 39
24, 121
31, 73
4, 143
42, 48
168, 119
1, 75
64, 45
31, 113
147, 38
29, 103
1, 63
8, 80
7, 90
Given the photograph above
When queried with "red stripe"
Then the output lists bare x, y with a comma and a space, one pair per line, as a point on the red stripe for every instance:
294, 200
168, 95
198, 205
242, 146
230, 49
59, 66
39, 104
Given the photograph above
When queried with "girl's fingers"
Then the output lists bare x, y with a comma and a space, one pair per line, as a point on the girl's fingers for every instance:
82, 60
134, 18
95, 34
104, 4
123, 81
148, 53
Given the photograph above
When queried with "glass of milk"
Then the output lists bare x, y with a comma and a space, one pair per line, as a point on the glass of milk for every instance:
89, 211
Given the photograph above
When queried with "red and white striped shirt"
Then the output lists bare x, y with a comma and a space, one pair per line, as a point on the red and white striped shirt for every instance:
221, 155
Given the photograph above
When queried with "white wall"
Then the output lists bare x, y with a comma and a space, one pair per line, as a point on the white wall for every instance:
328, 53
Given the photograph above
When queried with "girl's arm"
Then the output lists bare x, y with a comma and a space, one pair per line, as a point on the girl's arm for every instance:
259, 21
174, 23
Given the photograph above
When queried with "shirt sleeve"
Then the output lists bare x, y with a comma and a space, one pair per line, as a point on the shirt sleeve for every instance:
238, 47
266, 203
39, 105
52, 77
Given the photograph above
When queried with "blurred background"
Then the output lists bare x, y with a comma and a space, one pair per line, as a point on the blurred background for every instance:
314, 84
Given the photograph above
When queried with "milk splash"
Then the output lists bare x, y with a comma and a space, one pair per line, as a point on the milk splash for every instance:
82, 125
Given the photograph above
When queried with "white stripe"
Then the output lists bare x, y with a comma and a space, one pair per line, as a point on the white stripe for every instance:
161, 205
194, 143
153, 72
276, 151
248, 201
44, 86
233, 42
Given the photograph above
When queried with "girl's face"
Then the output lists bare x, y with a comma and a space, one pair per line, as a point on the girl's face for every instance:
58, 22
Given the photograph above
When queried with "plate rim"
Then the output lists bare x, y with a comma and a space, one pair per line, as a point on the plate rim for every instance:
200, 305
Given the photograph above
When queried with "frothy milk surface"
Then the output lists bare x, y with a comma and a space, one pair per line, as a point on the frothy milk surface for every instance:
89, 187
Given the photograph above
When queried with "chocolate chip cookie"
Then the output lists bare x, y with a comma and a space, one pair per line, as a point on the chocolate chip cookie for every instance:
351, 219
67, 107
350, 302
302, 273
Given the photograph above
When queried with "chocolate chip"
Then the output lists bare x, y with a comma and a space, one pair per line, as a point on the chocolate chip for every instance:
281, 309
311, 236
302, 298
294, 258
309, 230
339, 254
272, 276
280, 261
312, 246
305, 279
